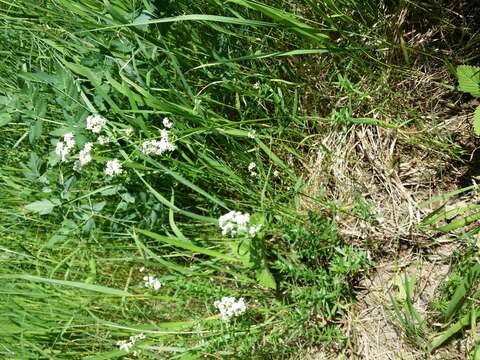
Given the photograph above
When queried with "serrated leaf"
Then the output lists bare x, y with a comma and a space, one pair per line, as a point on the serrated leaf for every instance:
476, 121
41, 207
469, 79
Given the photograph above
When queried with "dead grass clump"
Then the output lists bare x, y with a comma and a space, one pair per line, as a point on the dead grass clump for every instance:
377, 166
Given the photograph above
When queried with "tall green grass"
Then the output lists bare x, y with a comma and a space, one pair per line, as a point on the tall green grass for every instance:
73, 244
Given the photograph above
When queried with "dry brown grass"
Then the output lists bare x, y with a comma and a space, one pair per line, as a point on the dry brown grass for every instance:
393, 170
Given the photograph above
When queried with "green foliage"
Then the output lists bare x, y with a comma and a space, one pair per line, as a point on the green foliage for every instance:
469, 79
76, 240
412, 323
318, 267
469, 82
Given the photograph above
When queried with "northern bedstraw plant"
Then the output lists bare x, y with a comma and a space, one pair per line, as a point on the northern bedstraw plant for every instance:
129, 128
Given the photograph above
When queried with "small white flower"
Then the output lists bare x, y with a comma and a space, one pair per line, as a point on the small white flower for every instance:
256, 85
69, 140
103, 140
251, 134
95, 123
254, 229
151, 282
242, 221
63, 148
125, 345
113, 167
142, 269
84, 157
88, 147
128, 131
234, 222
135, 338
230, 307
276, 173
62, 151
251, 168
167, 123
158, 147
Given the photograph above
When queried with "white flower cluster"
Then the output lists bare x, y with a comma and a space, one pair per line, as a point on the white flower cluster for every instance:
254, 229
251, 168
251, 134
230, 307
63, 147
167, 123
95, 123
103, 140
84, 157
158, 147
151, 282
234, 222
125, 345
113, 167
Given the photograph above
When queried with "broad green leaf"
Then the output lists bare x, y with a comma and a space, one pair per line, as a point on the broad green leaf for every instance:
469, 79
41, 207
35, 131
5, 118
265, 278
84, 71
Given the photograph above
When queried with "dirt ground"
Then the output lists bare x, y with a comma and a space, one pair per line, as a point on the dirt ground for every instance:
395, 177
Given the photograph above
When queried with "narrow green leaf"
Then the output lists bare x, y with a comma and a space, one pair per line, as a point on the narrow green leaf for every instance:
96, 288
461, 222
187, 245
274, 157
285, 18
461, 292
178, 233
191, 17
452, 330
168, 204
